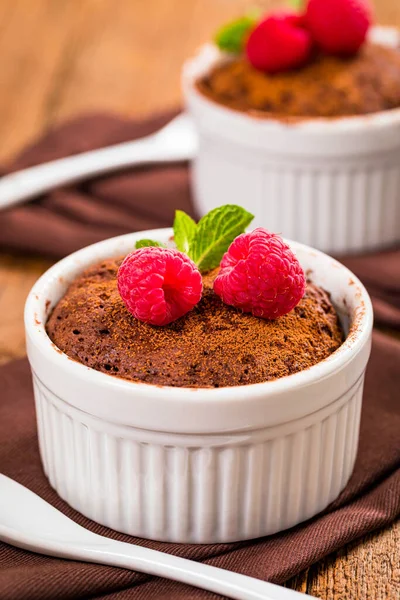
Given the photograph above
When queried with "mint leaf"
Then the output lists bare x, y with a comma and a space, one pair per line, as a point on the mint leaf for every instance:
214, 234
231, 37
184, 230
145, 243
296, 4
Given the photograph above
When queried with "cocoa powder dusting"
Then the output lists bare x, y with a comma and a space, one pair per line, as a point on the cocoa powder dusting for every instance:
327, 86
212, 346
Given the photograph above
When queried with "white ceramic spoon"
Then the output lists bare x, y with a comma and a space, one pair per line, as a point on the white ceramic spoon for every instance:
176, 141
28, 522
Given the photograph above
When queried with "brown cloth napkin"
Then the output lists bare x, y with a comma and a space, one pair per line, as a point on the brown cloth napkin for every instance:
370, 500
72, 217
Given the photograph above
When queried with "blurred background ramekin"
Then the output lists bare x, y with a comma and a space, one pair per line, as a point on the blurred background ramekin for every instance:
329, 183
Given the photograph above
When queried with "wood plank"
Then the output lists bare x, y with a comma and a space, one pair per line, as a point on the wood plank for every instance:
367, 569
17, 276
34, 37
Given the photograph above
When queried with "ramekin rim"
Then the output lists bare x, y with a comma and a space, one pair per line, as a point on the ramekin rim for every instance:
346, 352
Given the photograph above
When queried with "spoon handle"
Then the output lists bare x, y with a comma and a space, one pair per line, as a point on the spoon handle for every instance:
31, 182
28, 183
29, 522
145, 560
207, 577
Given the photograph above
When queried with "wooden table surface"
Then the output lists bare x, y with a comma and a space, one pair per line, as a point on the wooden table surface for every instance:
59, 58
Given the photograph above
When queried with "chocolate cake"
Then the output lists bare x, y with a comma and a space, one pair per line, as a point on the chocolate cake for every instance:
327, 86
214, 345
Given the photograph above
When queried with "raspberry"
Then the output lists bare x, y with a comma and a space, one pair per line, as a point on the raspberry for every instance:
260, 274
159, 285
339, 26
279, 43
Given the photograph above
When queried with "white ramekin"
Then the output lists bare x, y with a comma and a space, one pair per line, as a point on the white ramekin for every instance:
198, 465
329, 183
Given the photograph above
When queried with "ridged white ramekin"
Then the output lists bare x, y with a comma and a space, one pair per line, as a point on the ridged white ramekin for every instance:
329, 183
198, 465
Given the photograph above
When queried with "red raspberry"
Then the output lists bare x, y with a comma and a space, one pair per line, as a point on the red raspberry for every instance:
260, 274
279, 43
159, 285
339, 26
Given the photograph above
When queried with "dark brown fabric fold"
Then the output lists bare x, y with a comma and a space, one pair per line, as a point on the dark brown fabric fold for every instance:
370, 501
135, 199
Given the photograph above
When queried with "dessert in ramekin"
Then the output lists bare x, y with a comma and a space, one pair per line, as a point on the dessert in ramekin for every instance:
214, 345
195, 464
332, 182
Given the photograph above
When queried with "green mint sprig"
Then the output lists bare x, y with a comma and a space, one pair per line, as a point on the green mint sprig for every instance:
207, 241
296, 4
231, 37
213, 234
184, 230
146, 243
